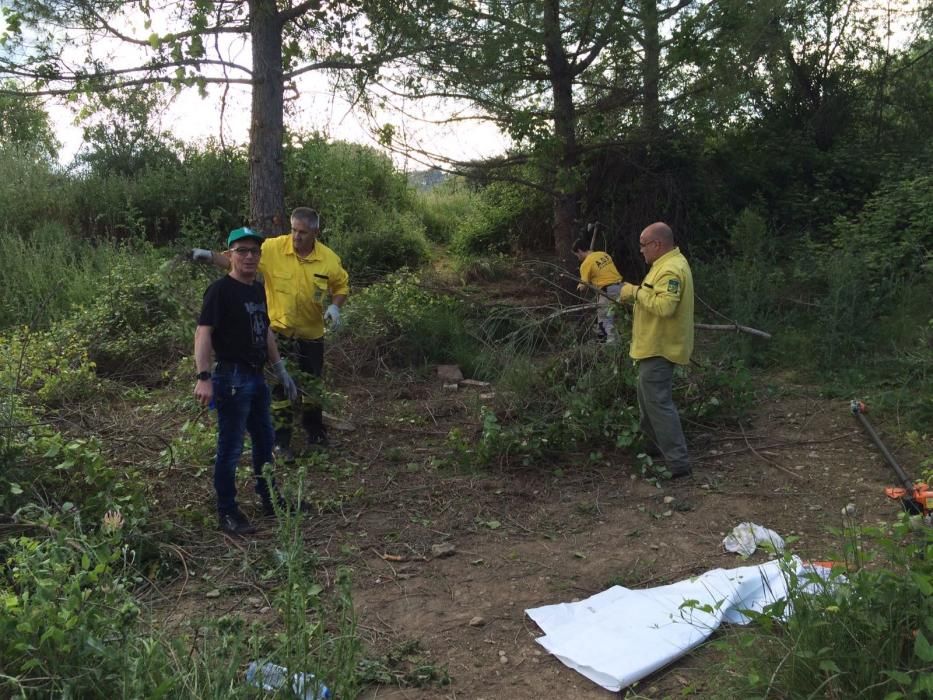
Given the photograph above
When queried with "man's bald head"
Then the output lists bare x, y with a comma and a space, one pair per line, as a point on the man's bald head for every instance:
659, 231
656, 240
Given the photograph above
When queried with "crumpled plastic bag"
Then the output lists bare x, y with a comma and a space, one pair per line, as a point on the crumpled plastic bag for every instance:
745, 538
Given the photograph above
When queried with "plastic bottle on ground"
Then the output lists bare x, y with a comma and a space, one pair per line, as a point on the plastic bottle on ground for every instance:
270, 676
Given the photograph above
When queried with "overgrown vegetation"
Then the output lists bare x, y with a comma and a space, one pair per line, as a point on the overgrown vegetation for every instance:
796, 180
863, 633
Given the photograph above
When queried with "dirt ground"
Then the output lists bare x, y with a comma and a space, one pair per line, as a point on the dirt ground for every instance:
390, 501
524, 537
530, 537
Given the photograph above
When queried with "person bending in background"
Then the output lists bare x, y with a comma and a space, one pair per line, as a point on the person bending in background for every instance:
234, 327
662, 337
598, 270
299, 273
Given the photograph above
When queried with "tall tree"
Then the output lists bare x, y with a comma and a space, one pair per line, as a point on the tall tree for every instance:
69, 47
554, 74
25, 124
523, 63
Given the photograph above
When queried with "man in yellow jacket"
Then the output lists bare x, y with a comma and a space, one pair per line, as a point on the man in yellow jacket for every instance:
662, 336
299, 274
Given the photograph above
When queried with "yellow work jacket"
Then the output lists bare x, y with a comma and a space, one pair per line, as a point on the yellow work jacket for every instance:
663, 310
296, 288
598, 269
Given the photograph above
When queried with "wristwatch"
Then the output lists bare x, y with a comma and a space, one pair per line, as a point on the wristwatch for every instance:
204, 376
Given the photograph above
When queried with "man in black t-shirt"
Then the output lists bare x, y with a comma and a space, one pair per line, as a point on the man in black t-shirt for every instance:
234, 326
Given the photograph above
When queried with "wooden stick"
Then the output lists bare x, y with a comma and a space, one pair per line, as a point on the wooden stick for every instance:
734, 327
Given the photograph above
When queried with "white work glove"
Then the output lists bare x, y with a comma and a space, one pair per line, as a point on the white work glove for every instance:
201, 255
332, 315
288, 384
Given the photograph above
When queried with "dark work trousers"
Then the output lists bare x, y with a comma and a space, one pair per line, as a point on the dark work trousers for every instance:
659, 418
307, 357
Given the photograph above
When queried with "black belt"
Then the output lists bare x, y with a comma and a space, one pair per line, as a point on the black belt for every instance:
244, 367
606, 288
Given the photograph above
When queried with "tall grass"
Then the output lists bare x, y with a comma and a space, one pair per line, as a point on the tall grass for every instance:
444, 208
48, 271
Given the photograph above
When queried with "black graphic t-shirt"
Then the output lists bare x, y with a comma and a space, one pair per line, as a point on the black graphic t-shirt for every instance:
239, 319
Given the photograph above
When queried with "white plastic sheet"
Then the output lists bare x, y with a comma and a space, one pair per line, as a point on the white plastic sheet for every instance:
745, 538
620, 635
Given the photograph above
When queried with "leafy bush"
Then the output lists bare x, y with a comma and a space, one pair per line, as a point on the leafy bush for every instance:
401, 323
355, 188
864, 633
397, 242
47, 368
32, 190
891, 239
444, 207
136, 326
505, 216
49, 271
67, 615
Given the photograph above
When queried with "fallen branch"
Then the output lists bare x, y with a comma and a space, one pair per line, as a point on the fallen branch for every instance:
734, 327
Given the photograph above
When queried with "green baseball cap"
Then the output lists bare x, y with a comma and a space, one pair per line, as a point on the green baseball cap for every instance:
241, 233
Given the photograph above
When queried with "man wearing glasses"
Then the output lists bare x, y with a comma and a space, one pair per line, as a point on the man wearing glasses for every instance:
299, 273
234, 327
662, 336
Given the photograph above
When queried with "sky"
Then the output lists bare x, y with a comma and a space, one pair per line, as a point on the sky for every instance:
317, 108
192, 119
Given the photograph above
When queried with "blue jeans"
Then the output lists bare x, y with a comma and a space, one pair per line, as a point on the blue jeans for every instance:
242, 401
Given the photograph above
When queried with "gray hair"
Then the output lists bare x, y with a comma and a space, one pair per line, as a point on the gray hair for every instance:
308, 216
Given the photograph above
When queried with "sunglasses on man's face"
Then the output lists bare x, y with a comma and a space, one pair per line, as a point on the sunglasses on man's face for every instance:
247, 251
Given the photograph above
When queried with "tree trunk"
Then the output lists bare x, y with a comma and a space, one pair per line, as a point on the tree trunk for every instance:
651, 73
565, 185
266, 131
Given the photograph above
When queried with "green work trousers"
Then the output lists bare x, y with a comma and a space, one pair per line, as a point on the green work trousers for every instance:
659, 418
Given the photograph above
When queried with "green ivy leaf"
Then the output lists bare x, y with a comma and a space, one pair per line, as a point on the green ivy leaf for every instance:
922, 648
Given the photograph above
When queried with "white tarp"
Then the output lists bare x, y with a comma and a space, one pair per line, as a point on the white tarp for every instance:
619, 636
745, 538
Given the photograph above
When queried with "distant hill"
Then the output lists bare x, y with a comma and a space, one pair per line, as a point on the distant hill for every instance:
426, 179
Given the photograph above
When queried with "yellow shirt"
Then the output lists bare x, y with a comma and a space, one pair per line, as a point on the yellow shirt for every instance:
663, 315
296, 287
599, 270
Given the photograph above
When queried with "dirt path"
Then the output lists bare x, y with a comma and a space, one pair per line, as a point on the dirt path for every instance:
531, 537
525, 537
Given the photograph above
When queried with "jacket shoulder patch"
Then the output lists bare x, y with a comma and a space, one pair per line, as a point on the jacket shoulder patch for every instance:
673, 286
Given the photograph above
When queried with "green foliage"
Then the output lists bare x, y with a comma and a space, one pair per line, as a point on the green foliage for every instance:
400, 322
891, 239
24, 125
43, 466
444, 207
68, 615
33, 192
47, 368
136, 326
862, 634
582, 397
49, 271
369, 215
394, 242
505, 216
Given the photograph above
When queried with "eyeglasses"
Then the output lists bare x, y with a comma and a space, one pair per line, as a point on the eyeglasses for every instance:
248, 251
645, 244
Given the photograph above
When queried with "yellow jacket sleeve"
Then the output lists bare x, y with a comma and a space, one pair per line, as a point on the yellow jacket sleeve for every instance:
662, 297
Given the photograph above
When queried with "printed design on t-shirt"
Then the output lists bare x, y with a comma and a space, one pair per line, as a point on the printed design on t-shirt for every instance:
602, 261
257, 321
